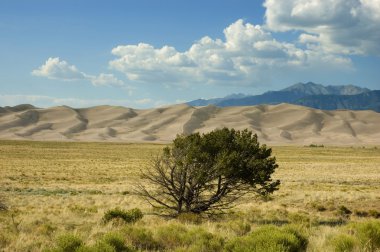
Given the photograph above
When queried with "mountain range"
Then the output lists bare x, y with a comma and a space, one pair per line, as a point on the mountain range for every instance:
306, 94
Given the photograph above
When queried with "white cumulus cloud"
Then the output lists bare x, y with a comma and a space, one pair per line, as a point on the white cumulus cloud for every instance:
54, 68
57, 69
247, 55
339, 26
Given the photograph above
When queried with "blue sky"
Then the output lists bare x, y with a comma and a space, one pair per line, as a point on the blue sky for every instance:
141, 54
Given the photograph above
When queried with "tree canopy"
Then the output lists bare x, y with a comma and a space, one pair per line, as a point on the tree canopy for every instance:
209, 172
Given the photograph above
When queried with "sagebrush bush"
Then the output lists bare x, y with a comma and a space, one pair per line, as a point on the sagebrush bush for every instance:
178, 237
268, 239
129, 216
110, 242
67, 243
368, 234
116, 240
98, 247
343, 243
140, 238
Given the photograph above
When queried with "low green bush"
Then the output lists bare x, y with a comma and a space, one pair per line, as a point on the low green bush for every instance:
343, 243
67, 243
177, 237
116, 240
140, 238
268, 239
368, 234
129, 216
110, 242
98, 247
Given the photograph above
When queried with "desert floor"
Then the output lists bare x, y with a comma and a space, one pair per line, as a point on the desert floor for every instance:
54, 188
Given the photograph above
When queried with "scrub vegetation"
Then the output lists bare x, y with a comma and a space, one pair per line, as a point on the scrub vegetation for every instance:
71, 196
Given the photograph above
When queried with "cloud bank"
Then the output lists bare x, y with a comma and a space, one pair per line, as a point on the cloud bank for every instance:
339, 26
247, 55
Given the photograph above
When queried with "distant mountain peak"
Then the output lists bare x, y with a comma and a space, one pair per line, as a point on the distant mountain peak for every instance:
302, 93
311, 88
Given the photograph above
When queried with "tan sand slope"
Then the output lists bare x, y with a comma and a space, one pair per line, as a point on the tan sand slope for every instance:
274, 124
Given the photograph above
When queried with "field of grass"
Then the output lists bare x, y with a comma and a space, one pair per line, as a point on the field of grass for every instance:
62, 188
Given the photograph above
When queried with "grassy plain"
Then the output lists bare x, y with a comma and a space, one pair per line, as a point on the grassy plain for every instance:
53, 188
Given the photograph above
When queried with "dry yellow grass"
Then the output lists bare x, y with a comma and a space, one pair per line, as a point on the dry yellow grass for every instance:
56, 187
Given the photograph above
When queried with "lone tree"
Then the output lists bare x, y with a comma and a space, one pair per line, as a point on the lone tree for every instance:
208, 172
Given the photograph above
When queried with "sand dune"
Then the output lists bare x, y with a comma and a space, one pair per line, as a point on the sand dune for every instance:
274, 124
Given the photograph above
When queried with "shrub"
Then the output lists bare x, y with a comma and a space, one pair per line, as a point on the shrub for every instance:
98, 247
368, 234
208, 172
360, 213
343, 243
129, 216
178, 237
140, 238
110, 242
374, 213
67, 243
115, 240
344, 211
202, 240
268, 239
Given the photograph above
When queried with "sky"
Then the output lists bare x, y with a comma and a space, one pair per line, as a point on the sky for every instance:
147, 53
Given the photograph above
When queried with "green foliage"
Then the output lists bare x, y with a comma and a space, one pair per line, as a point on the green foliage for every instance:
67, 243
98, 247
205, 173
269, 239
129, 216
110, 242
343, 243
140, 238
115, 240
196, 239
368, 234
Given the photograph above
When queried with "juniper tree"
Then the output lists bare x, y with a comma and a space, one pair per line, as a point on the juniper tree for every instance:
208, 172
